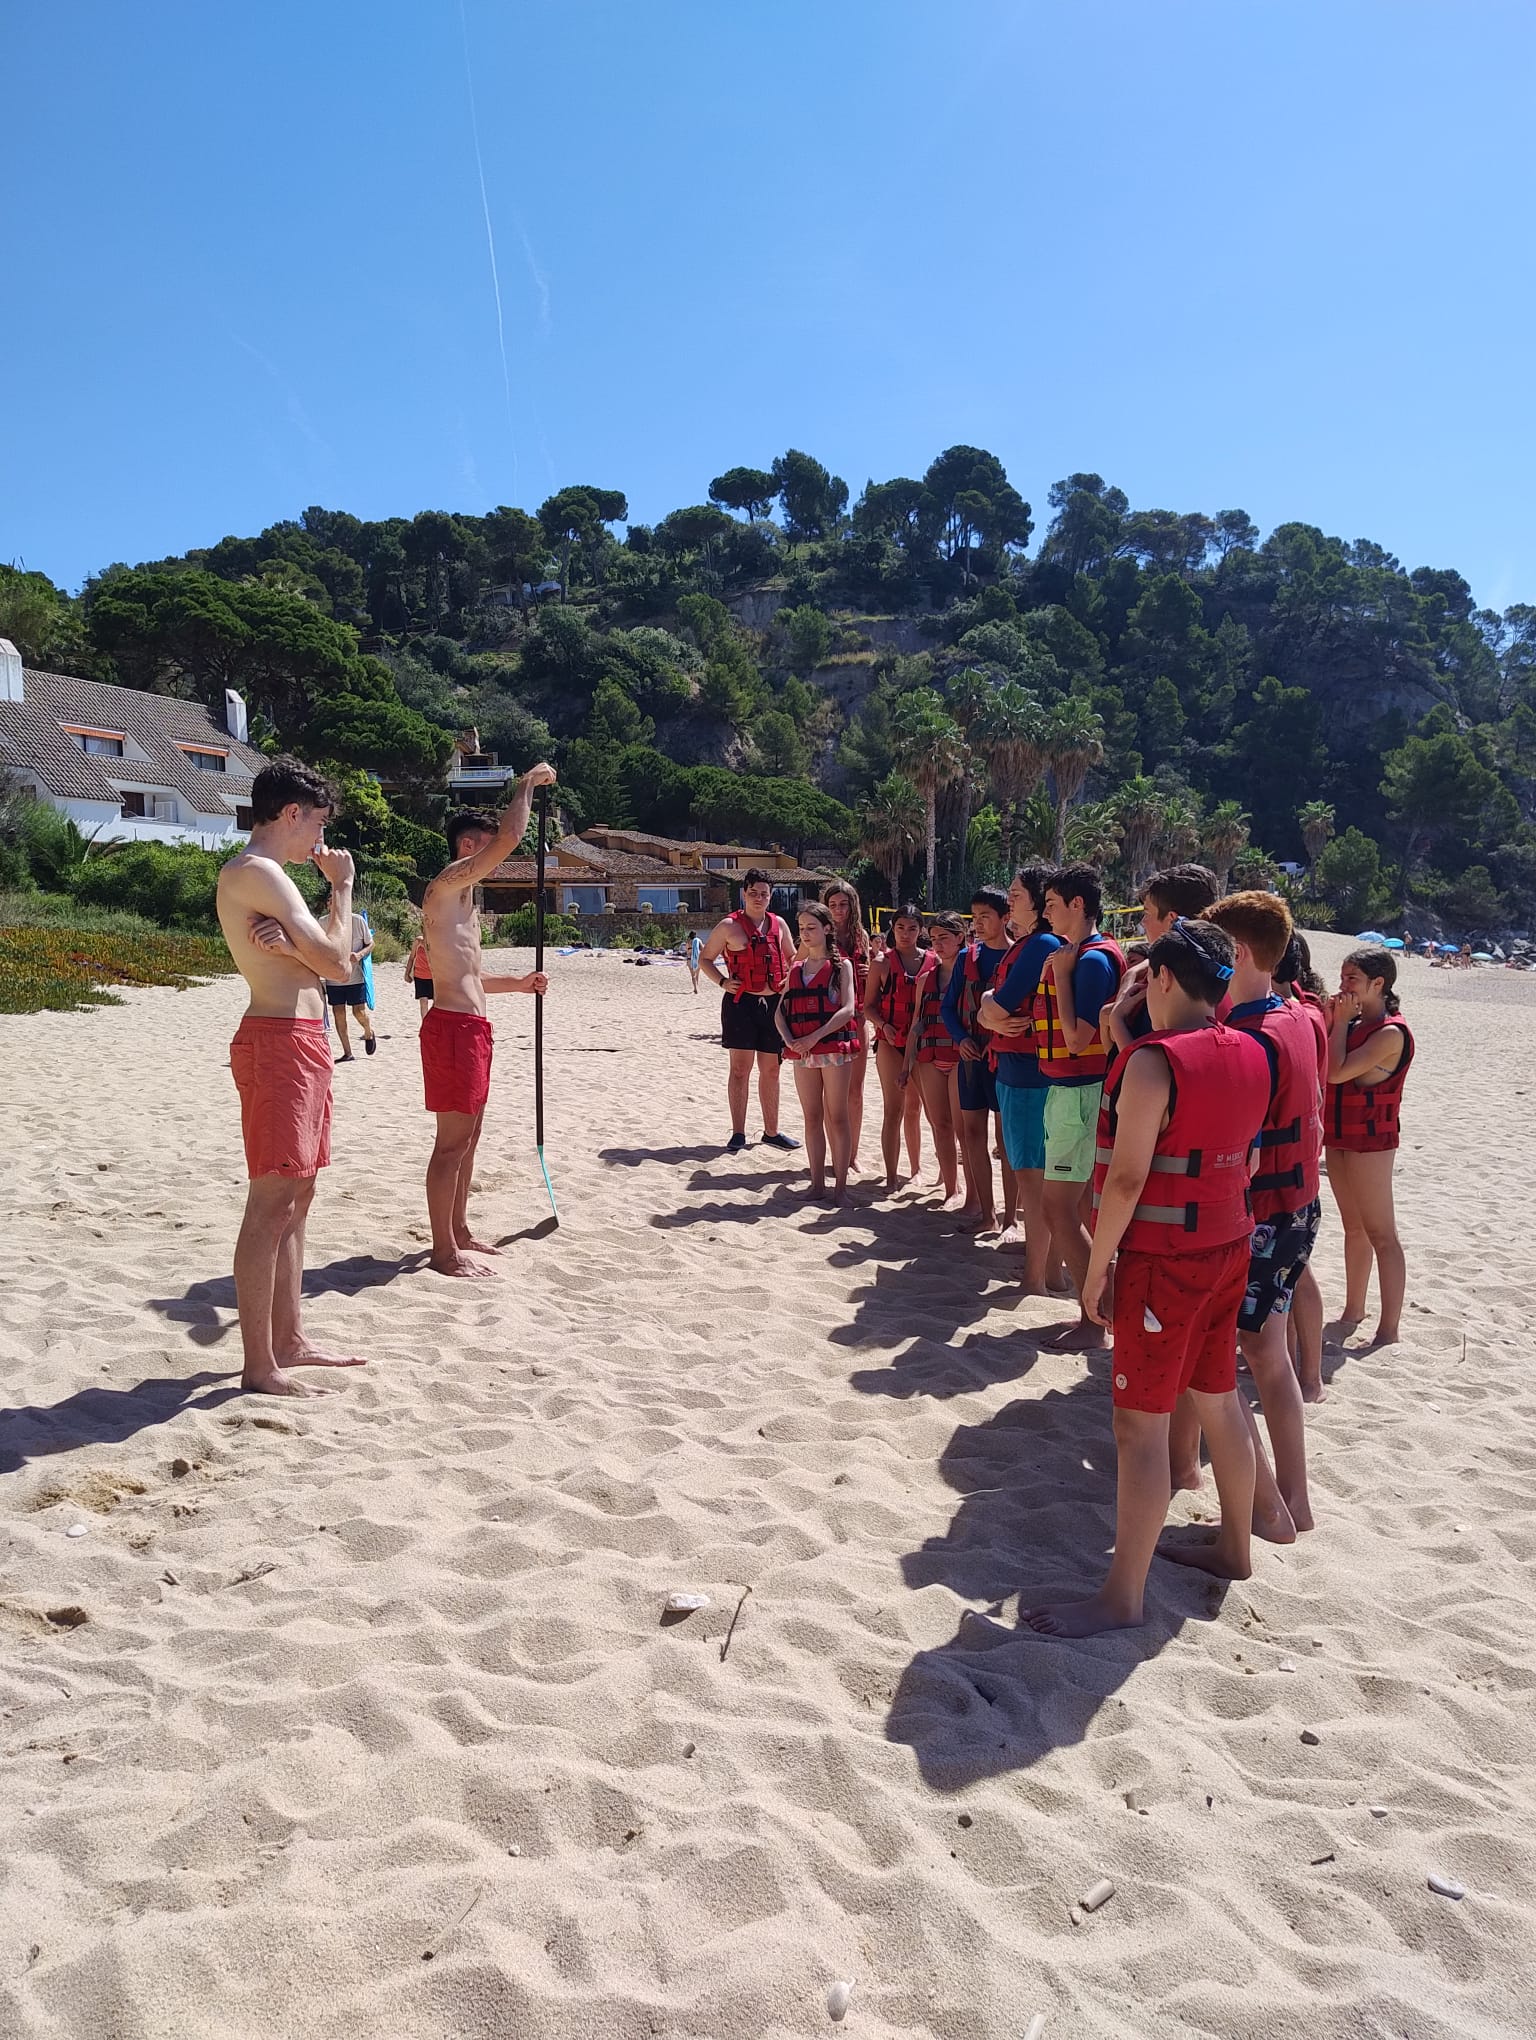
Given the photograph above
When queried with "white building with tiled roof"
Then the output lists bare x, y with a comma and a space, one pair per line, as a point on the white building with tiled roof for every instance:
125, 766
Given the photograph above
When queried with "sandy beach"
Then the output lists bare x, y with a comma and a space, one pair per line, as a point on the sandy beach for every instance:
360, 1718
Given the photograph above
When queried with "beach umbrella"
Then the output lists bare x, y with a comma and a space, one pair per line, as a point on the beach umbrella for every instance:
1446, 948
1370, 935
1392, 942
1481, 956
542, 797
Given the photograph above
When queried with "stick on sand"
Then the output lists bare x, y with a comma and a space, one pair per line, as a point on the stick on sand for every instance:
538, 1004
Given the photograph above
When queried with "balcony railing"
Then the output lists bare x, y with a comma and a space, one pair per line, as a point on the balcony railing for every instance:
480, 775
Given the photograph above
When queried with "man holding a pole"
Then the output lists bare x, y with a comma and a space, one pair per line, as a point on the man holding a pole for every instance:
456, 1035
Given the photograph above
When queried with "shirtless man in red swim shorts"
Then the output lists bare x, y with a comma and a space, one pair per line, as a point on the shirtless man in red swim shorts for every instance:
281, 1059
455, 1035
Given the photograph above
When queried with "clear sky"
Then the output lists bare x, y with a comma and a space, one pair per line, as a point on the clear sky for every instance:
1265, 254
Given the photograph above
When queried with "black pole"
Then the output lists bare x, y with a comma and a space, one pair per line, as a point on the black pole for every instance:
542, 798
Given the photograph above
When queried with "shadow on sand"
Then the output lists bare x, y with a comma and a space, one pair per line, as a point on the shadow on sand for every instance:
106, 1416
199, 1304
1036, 1517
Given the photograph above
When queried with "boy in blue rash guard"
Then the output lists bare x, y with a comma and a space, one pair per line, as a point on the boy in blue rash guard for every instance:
1006, 1010
974, 1078
1078, 982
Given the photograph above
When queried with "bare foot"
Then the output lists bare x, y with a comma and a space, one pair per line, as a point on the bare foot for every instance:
474, 1246
1384, 1336
278, 1383
1078, 1618
1206, 1557
458, 1264
1012, 1234
1314, 1391
955, 1202
1191, 1477
972, 1218
1301, 1515
311, 1356
1083, 1337
1274, 1524
1343, 1326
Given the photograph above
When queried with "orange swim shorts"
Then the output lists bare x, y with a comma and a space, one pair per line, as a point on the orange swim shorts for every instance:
1176, 1324
282, 1070
456, 1060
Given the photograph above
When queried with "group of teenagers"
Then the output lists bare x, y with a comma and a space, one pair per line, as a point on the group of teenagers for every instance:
1163, 1113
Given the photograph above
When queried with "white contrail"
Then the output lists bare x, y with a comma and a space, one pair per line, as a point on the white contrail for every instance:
490, 242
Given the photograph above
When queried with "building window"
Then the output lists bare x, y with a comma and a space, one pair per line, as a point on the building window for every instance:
661, 899
133, 806
244, 819
583, 899
163, 809
719, 864
205, 761
97, 744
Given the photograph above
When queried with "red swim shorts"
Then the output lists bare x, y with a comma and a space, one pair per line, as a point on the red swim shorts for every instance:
456, 1060
282, 1070
1192, 1300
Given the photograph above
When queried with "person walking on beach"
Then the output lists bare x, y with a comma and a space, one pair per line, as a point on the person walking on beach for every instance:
815, 1018
281, 1061
1078, 980
1181, 1113
456, 1041
418, 973
975, 1083
1007, 1011
1370, 1050
351, 994
932, 1058
852, 939
897, 980
748, 955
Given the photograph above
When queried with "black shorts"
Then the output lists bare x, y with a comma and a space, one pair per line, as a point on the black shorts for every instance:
747, 1022
346, 995
1277, 1256
423, 987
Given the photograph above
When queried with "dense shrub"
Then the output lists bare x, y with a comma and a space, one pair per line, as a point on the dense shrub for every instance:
516, 930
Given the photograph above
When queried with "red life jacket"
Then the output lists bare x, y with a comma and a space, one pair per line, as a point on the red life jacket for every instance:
1290, 1145
1196, 1193
1012, 1044
1057, 1062
759, 968
810, 1001
972, 985
934, 1044
897, 1000
1365, 1121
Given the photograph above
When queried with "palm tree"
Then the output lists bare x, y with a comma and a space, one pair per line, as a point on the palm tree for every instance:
1012, 733
1073, 744
1139, 808
1179, 837
1316, 820
891, 829
1093, 833
969, 696
1253, 870
929, 747
1223, 835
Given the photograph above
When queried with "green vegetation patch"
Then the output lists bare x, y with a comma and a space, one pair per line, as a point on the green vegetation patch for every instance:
49, 969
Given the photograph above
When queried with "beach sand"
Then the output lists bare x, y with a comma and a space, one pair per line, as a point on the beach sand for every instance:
359, 1717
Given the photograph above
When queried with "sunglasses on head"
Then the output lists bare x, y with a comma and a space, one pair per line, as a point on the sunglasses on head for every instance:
1180, 932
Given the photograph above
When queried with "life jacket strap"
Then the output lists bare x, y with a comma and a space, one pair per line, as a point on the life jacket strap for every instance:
1162, 1165
1280, 1136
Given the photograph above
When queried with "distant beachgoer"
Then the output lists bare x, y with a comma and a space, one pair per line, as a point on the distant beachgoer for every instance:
932, 1058
1074, 1012
456, 1041
1007, 1011
1370, 1050
975, 1079
1182, 1110
815, 1018
756, 950
418, 972
280, 1059
695, 950
351, 995
897, 980
853, 940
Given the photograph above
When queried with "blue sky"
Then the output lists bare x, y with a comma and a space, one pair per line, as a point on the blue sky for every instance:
1267, 254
